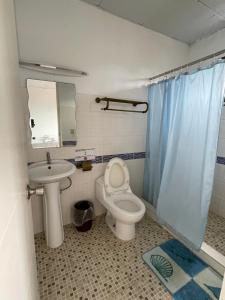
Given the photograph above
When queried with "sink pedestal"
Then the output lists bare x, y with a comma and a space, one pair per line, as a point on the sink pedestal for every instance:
53, 222
49, 176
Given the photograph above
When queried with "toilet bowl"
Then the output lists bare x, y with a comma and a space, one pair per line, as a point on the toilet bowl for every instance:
124, 209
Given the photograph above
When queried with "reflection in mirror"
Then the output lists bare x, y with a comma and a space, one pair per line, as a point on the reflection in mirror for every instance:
52, 113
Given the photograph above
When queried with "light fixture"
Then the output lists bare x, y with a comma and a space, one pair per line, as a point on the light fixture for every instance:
55, 70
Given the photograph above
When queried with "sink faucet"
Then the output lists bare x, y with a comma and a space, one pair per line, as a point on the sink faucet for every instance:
48, 156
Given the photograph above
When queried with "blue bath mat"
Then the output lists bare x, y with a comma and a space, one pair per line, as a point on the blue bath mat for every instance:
185, 275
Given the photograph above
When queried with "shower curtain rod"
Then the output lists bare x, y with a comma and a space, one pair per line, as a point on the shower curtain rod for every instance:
214, 55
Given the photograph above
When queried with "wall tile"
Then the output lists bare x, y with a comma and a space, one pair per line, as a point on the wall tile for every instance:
220, 171
222, 129
223, 113
110, 133
139, 155
221, 147
219, 188
218, 197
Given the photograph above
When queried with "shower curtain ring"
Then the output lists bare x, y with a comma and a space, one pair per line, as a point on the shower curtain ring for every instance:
186, 69
181, 70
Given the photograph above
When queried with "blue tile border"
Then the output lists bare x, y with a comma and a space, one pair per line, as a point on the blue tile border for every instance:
106, 158
127, 156
138, 155
220, 160
69, 143
98, 160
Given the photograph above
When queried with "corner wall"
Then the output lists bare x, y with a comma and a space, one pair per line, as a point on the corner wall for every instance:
209, 45
201, 48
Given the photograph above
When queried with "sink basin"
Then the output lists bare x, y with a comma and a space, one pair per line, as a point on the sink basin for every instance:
42, 172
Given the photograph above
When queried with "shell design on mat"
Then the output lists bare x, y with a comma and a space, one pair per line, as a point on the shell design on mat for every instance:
162, 265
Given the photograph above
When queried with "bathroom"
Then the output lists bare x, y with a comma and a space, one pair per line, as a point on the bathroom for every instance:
117, 56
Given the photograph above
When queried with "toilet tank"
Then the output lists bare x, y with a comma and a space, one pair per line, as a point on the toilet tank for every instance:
100, 189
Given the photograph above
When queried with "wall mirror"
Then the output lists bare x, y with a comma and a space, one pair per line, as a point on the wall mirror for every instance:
52, 113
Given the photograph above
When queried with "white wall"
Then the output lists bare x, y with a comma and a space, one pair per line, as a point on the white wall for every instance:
201, 48
209, 45
115, 52
117, 55
17, 257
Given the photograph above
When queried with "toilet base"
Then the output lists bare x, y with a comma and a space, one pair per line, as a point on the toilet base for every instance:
125, 232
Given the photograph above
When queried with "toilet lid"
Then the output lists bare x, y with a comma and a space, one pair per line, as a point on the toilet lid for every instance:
116, 176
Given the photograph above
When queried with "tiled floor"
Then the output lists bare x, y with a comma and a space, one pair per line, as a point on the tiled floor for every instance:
215, 233
96, 265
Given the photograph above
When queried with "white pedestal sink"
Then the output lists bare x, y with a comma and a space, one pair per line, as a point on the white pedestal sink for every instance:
50, 175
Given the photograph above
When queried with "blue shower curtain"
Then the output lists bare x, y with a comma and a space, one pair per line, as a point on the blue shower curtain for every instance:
183, 128
157, 129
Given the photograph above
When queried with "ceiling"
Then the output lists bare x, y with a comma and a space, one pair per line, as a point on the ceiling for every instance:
183, 20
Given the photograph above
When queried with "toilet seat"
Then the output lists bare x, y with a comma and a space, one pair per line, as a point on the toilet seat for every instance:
116, 178
125, 205
126, 202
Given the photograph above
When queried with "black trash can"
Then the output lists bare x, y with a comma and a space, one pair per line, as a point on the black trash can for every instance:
83, 215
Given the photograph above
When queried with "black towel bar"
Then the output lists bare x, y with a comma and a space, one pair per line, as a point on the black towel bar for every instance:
132, 102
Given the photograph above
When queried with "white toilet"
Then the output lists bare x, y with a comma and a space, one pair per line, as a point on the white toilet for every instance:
113, 191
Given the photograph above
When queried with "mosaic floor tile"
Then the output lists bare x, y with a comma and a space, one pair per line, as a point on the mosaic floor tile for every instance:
96, 265
215, 232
